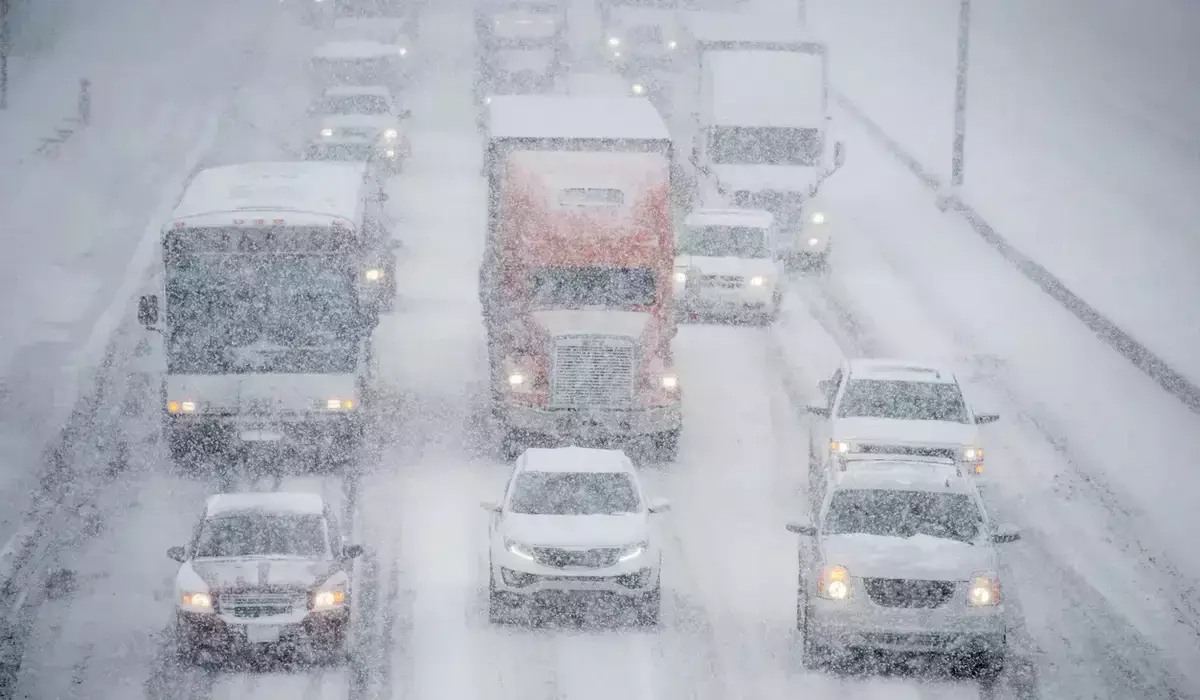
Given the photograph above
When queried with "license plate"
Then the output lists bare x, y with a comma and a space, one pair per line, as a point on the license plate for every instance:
262, 634
260, 436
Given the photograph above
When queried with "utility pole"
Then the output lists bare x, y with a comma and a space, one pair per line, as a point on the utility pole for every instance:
4, 6
960, 92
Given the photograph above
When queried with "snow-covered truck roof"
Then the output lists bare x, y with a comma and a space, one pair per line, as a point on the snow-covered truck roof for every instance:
326, 189
283, 502
788, 89
729, 31
749, 218
600, 118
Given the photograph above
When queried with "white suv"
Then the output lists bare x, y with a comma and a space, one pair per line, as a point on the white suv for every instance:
726, 263
574, 523
894, 407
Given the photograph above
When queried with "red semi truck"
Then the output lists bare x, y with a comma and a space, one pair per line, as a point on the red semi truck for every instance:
578, 274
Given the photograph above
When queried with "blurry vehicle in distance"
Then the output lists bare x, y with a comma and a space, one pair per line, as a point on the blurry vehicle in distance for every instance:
360, 62
359, 123
574, 523
641, 37
895, 407
264, 571
521, 44
901, 557
727, 265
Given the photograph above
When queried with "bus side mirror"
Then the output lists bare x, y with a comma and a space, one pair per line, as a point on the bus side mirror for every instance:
148, 310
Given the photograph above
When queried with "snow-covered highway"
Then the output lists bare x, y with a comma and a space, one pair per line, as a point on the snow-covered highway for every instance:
1103, 583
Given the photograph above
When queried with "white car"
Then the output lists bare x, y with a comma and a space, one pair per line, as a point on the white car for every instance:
574, 523
642, 36
264, 570
726, 265
360, 62
895, 407
360, 123
901, 558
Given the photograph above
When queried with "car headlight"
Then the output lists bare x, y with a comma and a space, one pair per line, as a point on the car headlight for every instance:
182, 406
373, 275
839, 447
817, 217
391, 134
614, 41
834, 583
814, 242
758, 281
633, 551
984, 590
638, 88
327, 600
326, 132
669, 381
672, 45
403, 51
196, 601
338, 404
390, 153
518, 549
972, 454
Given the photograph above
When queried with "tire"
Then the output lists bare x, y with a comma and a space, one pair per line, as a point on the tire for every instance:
666, 445
649, 607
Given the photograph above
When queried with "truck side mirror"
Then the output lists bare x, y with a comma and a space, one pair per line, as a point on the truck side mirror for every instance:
839, 154
147, 312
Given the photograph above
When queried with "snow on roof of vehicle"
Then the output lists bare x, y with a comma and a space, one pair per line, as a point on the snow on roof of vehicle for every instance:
358, 90
327, 188
575, 459
289, 502
713, 29
788, 89
900, 371
351, 50
903, 474
752, 218
574, 117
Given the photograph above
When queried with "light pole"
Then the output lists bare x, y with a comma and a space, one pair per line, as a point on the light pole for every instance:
3, 54
960, 92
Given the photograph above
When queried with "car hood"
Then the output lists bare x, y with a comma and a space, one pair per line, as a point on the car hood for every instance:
575, 530
360, 121
920, 557
267, 393
626, 324
519, 60
726, 265
905, 432
225, 574
764, 178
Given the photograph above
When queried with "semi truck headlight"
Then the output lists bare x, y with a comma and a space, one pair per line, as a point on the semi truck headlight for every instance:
391, 134
758, 281
339, 404
196, 602
817, 217
834, 583
516, 379
984, 590
327, 132
669, 381
182, 406
325, 600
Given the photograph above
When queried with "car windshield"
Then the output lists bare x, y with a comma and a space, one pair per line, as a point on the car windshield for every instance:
952, 516
743, 145
574, 493
353, 104
604, 287
724, 242
903, 400
254, 534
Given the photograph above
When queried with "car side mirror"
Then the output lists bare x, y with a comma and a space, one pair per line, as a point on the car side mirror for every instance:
659, 505
147, 312
352, 551
802, 528
839, 154
177, 554
822, 411
1006, 534
490, 506
981, 418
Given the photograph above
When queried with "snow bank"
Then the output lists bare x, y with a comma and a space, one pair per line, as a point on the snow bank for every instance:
1081, 148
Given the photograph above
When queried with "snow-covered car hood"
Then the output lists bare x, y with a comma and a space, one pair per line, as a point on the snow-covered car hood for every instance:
627, 324
575, 530
379, 122
904, 432
223, 574
921, 557
763, 178
726, 266
519, 60
265, 393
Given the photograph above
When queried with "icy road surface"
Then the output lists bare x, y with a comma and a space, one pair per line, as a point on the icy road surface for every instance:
1100, 613
1081, 145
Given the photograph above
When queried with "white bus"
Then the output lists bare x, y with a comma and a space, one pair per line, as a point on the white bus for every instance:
270, 273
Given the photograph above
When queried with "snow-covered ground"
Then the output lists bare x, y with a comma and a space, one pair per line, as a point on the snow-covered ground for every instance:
1081, 142
1100, 586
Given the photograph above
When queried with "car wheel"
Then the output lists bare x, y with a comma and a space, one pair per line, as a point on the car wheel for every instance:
666, 445
649, 607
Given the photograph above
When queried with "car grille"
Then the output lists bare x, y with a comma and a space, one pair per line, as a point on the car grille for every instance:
906, 593
913, 450
581, 558
251, 605
592, 371
725, 281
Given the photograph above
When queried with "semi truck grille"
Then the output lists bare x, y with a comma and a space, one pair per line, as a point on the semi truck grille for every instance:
586, 558
905, 593
258, 605
913, 450
592, 371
